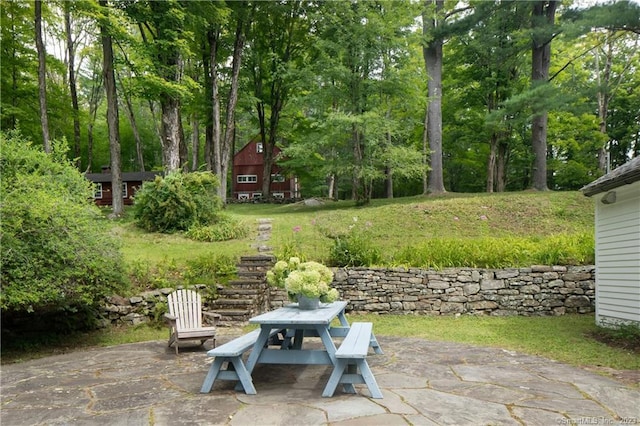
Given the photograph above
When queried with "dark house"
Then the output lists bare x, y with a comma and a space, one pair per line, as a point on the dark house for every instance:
131, 182
248, 166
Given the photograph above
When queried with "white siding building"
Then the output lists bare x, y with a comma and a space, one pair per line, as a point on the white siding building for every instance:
617, 196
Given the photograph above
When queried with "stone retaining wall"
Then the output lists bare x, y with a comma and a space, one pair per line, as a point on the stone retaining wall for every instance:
538, 290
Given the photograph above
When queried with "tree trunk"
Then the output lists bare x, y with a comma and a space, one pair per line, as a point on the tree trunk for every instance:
425, 152
134, 128
195, 142
501, 169
112, 116
171, 134
136, 133
94, 102
230, 128
492, 163
543, 17
215, 152
603, 101
432, 53
42, 77
72, 84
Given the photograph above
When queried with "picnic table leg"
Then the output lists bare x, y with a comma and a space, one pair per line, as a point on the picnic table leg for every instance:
369, 378
244, 376
262, 340
334, 379
375, 345
343, 319
327, 341
211, 375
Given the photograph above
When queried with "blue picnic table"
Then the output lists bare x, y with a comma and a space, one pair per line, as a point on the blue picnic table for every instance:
293, 324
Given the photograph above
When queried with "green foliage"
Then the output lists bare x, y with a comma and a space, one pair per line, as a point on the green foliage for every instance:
490, 252
354, 247
57, 255
292, 247
177, 202
226, 228
211, 269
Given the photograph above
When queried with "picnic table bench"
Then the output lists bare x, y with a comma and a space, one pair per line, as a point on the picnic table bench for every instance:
231, 353
351, 365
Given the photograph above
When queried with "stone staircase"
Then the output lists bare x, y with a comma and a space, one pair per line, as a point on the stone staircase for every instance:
247, 295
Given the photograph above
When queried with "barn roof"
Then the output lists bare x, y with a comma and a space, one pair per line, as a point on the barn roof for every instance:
126, 176
628, 173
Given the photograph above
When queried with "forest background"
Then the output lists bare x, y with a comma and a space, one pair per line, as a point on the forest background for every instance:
366, 98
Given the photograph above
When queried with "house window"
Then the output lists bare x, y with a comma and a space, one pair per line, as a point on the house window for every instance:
256, 195
97, 194
243, 196
277, 178
259, 147
278, 195
247, 179
124, 190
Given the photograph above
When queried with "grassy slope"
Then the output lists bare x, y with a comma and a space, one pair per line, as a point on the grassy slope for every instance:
395, 224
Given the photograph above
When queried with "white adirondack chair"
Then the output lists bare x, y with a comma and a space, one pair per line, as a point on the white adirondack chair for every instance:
185, 318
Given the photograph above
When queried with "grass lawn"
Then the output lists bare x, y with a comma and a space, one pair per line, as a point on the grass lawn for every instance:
395, 225
571, 339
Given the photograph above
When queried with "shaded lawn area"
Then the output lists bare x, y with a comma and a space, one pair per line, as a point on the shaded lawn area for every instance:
571, 339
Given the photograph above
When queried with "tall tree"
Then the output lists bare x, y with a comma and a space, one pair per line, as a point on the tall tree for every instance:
277, 42
42, 76
432, 51
543, 31
72, 80
112, 111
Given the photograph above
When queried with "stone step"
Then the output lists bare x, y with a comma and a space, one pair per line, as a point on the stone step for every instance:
240, 292
233, 302
257, 259
250, 273
251, 283
232, 312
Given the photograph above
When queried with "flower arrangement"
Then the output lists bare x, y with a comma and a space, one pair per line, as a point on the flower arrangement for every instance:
310, 279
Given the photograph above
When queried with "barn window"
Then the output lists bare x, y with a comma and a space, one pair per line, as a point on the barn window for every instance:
247, 178
277, 178
259, 147
97, 194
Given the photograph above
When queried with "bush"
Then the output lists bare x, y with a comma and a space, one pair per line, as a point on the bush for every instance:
488, 252
177, 202
56, 252
354, 247
226, 228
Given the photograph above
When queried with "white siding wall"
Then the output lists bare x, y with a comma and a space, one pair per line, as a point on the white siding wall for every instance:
618, 257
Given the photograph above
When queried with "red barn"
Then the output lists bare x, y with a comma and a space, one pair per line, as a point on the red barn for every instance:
248, 166
131, 182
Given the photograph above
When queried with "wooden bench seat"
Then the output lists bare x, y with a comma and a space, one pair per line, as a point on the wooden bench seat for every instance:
351, 362
231, 353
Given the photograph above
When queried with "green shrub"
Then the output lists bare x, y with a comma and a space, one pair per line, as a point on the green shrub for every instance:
177, 202
354, 247
488, 252
211, 269
225, 228
57, 254
292, 247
